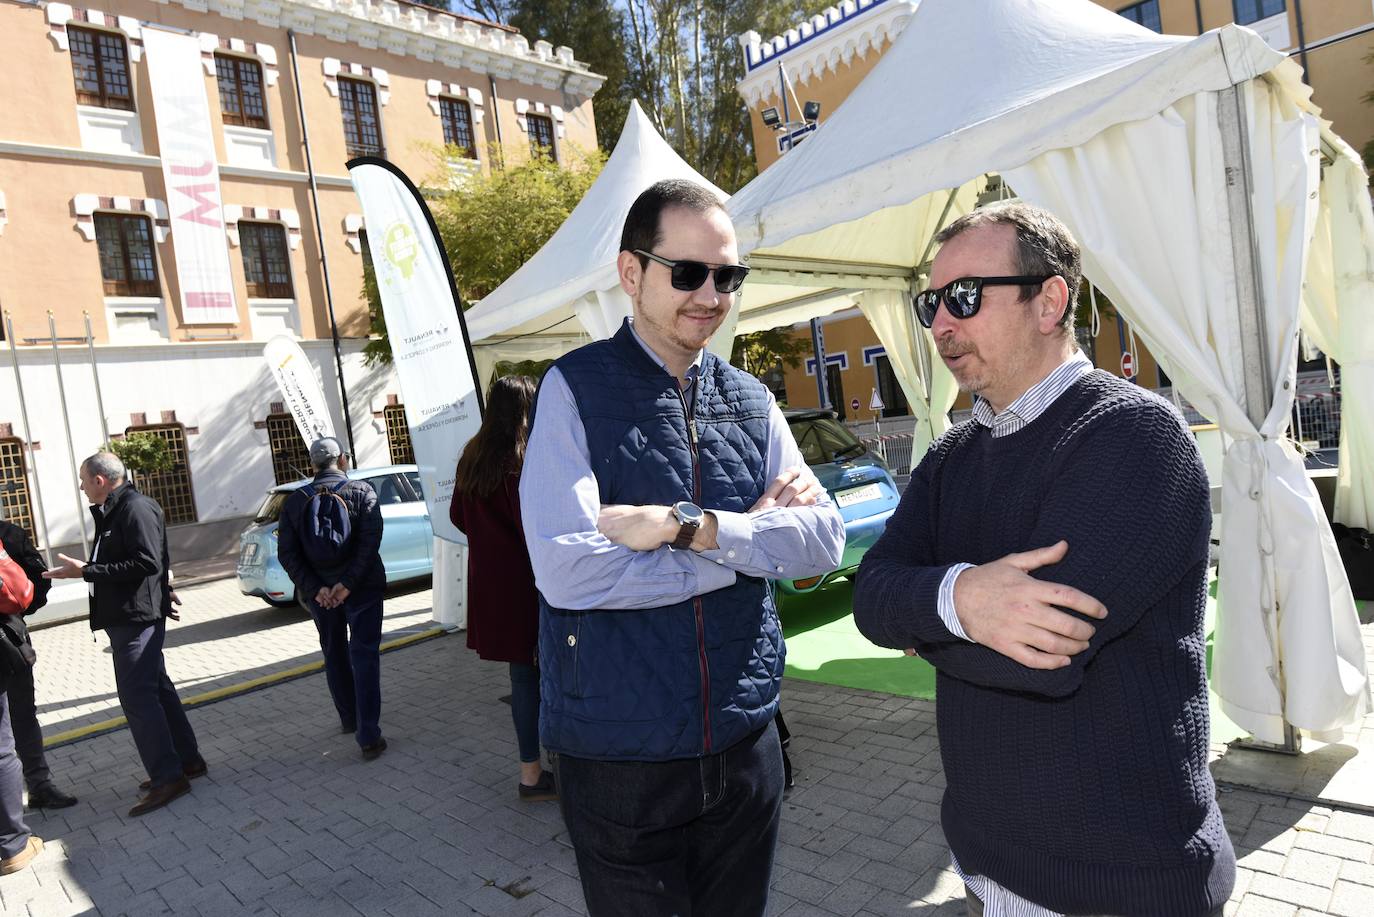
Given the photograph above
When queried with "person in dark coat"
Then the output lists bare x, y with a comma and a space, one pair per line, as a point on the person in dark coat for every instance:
344, 597
28, 735
131, 600
503, 606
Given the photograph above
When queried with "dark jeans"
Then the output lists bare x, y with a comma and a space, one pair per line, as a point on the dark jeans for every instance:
157, 721
692, 838
524, 709
350, 638
14, 834
28, 735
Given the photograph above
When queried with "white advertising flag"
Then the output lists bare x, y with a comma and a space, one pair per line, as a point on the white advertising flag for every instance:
299, 386
186, 143
429, 339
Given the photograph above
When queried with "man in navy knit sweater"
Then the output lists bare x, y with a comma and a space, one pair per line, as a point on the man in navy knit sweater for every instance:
1049, 558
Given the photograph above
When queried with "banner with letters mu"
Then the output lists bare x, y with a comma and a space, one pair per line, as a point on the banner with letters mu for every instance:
186, 143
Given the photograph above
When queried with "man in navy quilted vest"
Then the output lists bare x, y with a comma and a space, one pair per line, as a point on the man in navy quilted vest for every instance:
1049, 558
662, 489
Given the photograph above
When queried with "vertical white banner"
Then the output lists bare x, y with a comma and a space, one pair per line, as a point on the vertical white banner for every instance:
186, 143
429, 341
300, 387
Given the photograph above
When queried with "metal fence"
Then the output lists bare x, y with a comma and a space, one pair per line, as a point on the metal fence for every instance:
1316, 422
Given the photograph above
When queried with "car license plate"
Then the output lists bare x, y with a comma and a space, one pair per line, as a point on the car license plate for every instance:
858, 495
248, 552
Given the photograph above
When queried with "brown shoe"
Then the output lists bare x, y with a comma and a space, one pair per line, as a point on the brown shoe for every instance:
159, 796
191, 772
23, 857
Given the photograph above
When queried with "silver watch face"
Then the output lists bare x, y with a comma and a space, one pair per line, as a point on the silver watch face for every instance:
688, 513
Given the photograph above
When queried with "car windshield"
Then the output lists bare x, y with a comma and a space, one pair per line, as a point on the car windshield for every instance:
823, 440
270, 511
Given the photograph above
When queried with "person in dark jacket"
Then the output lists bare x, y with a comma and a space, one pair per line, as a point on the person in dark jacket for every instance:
344, 596
1049, 559
503, 606
131, 601
28, 734
663, 488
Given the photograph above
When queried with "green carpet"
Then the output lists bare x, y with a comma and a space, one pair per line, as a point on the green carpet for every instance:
823, 645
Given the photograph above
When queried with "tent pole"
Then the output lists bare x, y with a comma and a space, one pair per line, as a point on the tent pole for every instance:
1259, 388
924, 358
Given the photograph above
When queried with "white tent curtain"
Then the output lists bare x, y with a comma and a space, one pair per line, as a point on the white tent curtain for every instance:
1156, 251
601, 312
914, 360
1339, 316
532, 347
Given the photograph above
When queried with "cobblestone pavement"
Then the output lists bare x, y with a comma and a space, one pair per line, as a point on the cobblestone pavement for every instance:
223, 638
290, 821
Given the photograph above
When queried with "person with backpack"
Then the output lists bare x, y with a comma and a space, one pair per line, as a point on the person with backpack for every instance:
130, 600
329, 542
28, 734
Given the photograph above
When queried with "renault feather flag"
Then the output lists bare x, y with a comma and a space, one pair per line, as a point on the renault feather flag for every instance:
429, 339
299, 387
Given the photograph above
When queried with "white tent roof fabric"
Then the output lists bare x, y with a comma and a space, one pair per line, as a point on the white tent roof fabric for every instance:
1051, 88
1041, 75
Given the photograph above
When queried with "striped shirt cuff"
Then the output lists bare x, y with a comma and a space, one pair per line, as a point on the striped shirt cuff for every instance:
946, 606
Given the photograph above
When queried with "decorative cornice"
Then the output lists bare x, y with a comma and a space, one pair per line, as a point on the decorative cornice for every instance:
84, 207
210, 43
60, 15
421, 32
471, 94
820, 44
143, 160
353, 223
233, 213
334, 68
524, 106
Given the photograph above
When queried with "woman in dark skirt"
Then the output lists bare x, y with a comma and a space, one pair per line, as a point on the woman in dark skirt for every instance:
503, 607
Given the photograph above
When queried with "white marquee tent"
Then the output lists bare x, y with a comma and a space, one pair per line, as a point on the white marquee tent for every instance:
569, 293
1205, 191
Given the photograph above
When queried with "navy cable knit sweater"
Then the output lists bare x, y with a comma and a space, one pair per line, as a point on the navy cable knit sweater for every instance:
1084, 789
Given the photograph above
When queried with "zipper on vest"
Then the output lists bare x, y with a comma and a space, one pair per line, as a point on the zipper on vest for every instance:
696, 602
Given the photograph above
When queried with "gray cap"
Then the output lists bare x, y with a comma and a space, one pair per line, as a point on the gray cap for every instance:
325, 450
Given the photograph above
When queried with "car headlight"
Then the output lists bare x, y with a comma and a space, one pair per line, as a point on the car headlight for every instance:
274, 533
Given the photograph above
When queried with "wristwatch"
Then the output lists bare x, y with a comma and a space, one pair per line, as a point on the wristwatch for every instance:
690, 517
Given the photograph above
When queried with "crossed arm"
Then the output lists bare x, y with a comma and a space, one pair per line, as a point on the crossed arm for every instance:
1036, 619
586, 555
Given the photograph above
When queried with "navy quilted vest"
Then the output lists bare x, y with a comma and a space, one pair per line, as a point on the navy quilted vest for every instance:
681, 680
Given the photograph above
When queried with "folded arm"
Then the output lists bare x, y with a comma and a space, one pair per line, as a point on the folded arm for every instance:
575, 565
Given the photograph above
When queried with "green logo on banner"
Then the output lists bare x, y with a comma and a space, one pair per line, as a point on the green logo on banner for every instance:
401, 248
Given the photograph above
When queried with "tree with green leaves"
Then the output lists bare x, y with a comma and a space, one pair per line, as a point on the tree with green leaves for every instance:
491, 224
761, 352
680, 58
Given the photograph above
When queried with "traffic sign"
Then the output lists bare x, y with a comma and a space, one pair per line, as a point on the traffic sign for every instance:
1127, 365
876, 402
853, 404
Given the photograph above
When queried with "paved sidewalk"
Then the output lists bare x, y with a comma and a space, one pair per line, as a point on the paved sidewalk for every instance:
223, 638
290, 821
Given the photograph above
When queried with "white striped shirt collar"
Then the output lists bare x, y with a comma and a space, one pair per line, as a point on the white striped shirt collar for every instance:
1035, 400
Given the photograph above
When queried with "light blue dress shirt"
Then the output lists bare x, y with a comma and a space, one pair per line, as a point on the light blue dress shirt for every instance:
578, 568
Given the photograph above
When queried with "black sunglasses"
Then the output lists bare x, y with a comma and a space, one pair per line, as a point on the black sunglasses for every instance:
690, 275
963, 296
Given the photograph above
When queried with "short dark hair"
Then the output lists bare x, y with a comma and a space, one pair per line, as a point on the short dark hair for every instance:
1044, 245
643, 224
